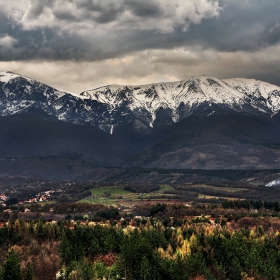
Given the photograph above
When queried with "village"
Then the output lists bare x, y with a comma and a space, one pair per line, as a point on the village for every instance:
43, 196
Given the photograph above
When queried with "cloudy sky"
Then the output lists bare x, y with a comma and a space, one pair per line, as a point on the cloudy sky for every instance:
76, 45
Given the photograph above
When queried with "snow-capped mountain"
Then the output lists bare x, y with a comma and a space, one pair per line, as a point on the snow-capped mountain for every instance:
18, 93
184, 97
145, 106
201, 122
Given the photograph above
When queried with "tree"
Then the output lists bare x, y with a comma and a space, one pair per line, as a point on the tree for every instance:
29, 273
79, 270
86, 270
1, 273
145, 269
100, 270
11, 267
136, 255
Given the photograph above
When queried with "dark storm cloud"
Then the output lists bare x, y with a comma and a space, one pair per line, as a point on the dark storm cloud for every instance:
104, 29
65, 15
143, 8
99, 11
242, 25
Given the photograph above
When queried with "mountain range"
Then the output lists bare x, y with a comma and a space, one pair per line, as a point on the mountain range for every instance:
202, 122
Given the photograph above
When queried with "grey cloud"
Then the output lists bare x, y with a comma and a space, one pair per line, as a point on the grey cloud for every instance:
6, 41
107, 8
65, 15
99, 11
87, 22
144, 8
245, 25
242, 25
97, 6
107, 16
37, 8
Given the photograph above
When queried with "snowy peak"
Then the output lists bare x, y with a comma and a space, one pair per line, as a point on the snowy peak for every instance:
7, 76
253, 87
19, 93
23, 81
194, 90
260, 92
233, 93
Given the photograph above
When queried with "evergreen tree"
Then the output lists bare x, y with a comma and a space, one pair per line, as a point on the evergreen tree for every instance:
1, 273
12, 269
145, 269
29, 273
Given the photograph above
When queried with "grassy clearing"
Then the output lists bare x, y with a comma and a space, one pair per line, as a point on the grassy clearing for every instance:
112, 195
166, 188
109, 195
116, 195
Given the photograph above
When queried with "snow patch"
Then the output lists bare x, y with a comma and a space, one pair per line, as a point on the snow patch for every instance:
273, 183
111, 129
211, 114
7, 76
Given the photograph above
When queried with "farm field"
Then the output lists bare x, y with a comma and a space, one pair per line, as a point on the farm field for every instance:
204, 193
179, 193
117, 195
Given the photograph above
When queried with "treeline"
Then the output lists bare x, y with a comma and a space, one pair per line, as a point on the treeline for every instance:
251, 204
142, 188
87, 211
189, 175
231, 210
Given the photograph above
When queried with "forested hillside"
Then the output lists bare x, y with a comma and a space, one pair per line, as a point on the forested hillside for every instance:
231, 241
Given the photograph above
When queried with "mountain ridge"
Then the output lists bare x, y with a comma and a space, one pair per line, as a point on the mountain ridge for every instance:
201, 122
142, 102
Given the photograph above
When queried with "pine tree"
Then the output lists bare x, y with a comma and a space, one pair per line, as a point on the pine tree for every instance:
11, 267
1, 273
29, 273
145, 269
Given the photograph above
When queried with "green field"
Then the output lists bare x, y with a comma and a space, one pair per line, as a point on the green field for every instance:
113, 195
165, 188
109, 195
117, 195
